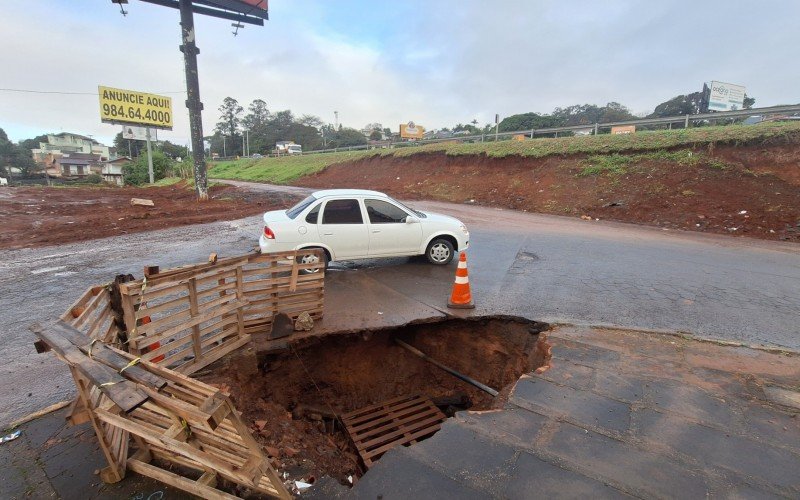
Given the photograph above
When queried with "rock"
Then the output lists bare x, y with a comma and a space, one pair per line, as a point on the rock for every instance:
142, 202
290, 452
586, 217
260, 424
282, 326
304, 322
272, 451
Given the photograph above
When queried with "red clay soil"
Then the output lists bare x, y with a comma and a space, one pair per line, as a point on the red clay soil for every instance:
292, 402
40, 216
751, 190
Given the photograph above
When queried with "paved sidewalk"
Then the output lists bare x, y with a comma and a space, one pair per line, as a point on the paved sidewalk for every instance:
619, 414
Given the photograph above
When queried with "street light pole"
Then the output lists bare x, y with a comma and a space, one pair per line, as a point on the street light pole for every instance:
190, 51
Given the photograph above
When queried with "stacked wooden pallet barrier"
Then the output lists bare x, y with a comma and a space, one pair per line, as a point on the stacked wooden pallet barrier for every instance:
131, 345
169, 416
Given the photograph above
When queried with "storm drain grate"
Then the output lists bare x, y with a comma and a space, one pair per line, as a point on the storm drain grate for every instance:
378, 428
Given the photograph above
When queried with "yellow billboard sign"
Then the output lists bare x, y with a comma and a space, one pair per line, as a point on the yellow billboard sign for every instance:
411, 130
133, 107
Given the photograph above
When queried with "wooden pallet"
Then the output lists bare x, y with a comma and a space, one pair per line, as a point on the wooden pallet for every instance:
164, 415
378, 428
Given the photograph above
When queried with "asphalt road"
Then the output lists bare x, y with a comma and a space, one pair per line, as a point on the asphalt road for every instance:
543, 267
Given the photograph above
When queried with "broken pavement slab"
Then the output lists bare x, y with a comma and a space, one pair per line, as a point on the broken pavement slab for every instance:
619, 414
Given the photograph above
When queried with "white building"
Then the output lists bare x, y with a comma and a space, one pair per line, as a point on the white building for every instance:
66, 142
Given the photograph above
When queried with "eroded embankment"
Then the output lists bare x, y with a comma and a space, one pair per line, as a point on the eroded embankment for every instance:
751, 189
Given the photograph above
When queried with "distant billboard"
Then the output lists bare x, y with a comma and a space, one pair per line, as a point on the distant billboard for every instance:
134, 133
623, 129
131, 107
725, 97
411, 130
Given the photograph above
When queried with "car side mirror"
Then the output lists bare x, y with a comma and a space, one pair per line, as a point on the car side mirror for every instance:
411, 220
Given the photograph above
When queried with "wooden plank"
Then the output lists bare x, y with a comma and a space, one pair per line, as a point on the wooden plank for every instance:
113, 473
153, 309
383, 449
213, 355
67, 315
377, 428
188, 324
378, 425
205, 459
202, 490
409, 422
122, 392
103, 354
355, 417
192, 285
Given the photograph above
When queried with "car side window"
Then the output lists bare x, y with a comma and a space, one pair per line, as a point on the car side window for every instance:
313, 215
383, 212
342, 212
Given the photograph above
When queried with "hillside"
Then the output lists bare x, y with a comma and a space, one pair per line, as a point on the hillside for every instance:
733, 180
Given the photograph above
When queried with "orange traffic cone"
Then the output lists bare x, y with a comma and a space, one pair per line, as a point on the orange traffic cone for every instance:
461, 297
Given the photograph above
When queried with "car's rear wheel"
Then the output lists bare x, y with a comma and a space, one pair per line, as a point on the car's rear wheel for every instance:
313, 258
440, 252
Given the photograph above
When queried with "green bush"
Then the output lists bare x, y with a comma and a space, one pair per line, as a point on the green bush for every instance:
94, 179
136, 172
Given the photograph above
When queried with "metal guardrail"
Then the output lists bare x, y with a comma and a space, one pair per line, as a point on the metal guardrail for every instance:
687, 120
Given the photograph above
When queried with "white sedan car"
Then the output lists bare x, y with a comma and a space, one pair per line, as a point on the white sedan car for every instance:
360, 224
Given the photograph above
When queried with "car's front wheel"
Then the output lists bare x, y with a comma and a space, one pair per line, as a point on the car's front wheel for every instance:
313, 258
440, 252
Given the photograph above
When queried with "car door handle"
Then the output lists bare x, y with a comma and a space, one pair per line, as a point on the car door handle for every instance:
327, 234
376, 230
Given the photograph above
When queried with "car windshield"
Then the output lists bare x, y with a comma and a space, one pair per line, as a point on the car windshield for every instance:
417, 212
295, 210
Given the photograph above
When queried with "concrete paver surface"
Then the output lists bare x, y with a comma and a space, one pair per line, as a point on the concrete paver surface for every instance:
620, 414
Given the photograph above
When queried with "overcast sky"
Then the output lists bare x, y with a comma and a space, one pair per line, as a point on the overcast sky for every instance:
435, 62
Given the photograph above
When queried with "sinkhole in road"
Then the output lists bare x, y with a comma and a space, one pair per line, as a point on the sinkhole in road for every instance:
299, 398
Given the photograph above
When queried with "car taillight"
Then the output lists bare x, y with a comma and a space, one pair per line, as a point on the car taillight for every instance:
268, 233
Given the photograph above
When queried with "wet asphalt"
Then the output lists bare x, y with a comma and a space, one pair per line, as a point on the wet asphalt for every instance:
543, 267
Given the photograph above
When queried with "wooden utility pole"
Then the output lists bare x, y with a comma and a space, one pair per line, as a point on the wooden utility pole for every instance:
190, 51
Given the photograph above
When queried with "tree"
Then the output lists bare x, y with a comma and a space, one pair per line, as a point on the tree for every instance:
122, 145
228, 125
748, 102
174, 151
29, 144
375, 135
230, 119
344, 137
689, 104
257, 117
136, 172
524, 121
14, 156
310, 121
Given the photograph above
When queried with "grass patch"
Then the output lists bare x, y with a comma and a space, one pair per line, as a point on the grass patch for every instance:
166, 181
659, 143
616, 163
606, 164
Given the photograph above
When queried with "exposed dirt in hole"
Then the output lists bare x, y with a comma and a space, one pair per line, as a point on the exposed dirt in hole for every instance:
292, 400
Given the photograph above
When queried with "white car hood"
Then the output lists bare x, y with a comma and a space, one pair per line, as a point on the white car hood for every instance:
438, 218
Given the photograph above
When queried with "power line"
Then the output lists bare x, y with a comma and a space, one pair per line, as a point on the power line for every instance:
29, 91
